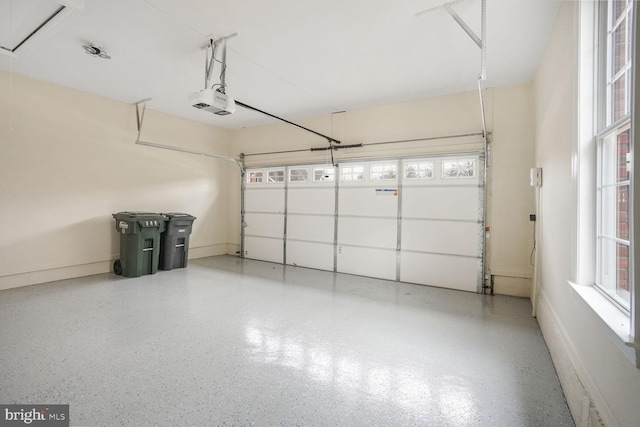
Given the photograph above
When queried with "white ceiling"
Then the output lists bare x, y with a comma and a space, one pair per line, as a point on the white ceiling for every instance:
292, 58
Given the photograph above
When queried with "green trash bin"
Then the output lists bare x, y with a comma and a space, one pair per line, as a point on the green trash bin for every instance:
139, 242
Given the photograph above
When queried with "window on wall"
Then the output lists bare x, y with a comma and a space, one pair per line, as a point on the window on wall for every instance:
613, 152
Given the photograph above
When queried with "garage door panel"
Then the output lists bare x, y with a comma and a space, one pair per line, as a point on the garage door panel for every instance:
447, 237
438, 270
264, 200
375, 232
459, 203
264, 224
309, 254
264, 249
368, 201
312, 200
310, 227
369, 262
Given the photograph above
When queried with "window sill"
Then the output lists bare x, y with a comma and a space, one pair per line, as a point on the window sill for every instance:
617, 324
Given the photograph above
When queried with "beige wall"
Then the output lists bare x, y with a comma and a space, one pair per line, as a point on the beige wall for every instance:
68, 161
598, 380
509, 117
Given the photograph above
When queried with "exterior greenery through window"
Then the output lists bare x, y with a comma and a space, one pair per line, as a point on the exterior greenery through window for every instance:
613, 142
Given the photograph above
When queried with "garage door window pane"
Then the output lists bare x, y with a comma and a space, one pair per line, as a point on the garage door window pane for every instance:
418, 170
275, 176
352, 173
463, 168
299, 175
323, 174
383, 171
254, 177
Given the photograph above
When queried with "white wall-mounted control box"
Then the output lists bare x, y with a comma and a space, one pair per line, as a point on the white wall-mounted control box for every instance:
535, 177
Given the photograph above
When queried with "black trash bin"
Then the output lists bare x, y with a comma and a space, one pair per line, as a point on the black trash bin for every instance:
174, 246
139, 242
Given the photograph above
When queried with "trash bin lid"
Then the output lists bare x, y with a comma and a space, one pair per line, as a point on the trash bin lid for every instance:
179, 215
133, 216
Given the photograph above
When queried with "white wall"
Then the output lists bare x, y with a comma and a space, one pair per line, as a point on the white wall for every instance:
598, 380
509, 117
68, 161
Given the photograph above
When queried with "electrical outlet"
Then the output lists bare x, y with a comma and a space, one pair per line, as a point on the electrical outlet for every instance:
532, 217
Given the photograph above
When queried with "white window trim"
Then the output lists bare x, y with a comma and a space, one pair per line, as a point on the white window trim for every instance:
623, 329
617, 324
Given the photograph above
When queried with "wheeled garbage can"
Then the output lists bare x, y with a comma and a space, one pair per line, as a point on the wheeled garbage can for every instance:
139, 242
174, 244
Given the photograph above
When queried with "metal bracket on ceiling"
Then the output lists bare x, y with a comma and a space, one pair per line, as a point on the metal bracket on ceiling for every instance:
212, 41
140, 121
480, 41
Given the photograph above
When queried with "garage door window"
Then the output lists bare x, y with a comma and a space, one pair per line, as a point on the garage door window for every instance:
323, 174
298, 175
383, 171
352, 173
254, 177
464, 168
418, 170
274, 176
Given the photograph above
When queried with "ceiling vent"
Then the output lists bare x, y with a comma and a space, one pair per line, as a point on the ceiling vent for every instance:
24, 23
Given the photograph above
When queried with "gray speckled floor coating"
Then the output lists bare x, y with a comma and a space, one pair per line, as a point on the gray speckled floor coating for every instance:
234, 343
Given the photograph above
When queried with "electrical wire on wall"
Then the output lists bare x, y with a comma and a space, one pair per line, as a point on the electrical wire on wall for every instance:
533, 249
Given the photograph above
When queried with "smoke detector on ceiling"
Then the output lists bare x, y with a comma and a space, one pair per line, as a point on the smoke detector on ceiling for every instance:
96, 51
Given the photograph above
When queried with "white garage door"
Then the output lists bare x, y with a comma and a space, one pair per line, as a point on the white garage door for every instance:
264, 205
441, 238
311, 201
368, 219
413, 220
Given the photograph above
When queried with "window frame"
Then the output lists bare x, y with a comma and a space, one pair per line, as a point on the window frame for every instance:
290, 174
270, 171
257, 175
387, 168
353, 175
419, 171
622, 326
608, 125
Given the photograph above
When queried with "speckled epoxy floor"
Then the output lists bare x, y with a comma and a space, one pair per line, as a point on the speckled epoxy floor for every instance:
231, 342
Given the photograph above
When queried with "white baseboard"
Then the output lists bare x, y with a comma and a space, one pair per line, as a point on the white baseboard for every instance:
71, 272
207, 251
54, 274
512, 286
574, 378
